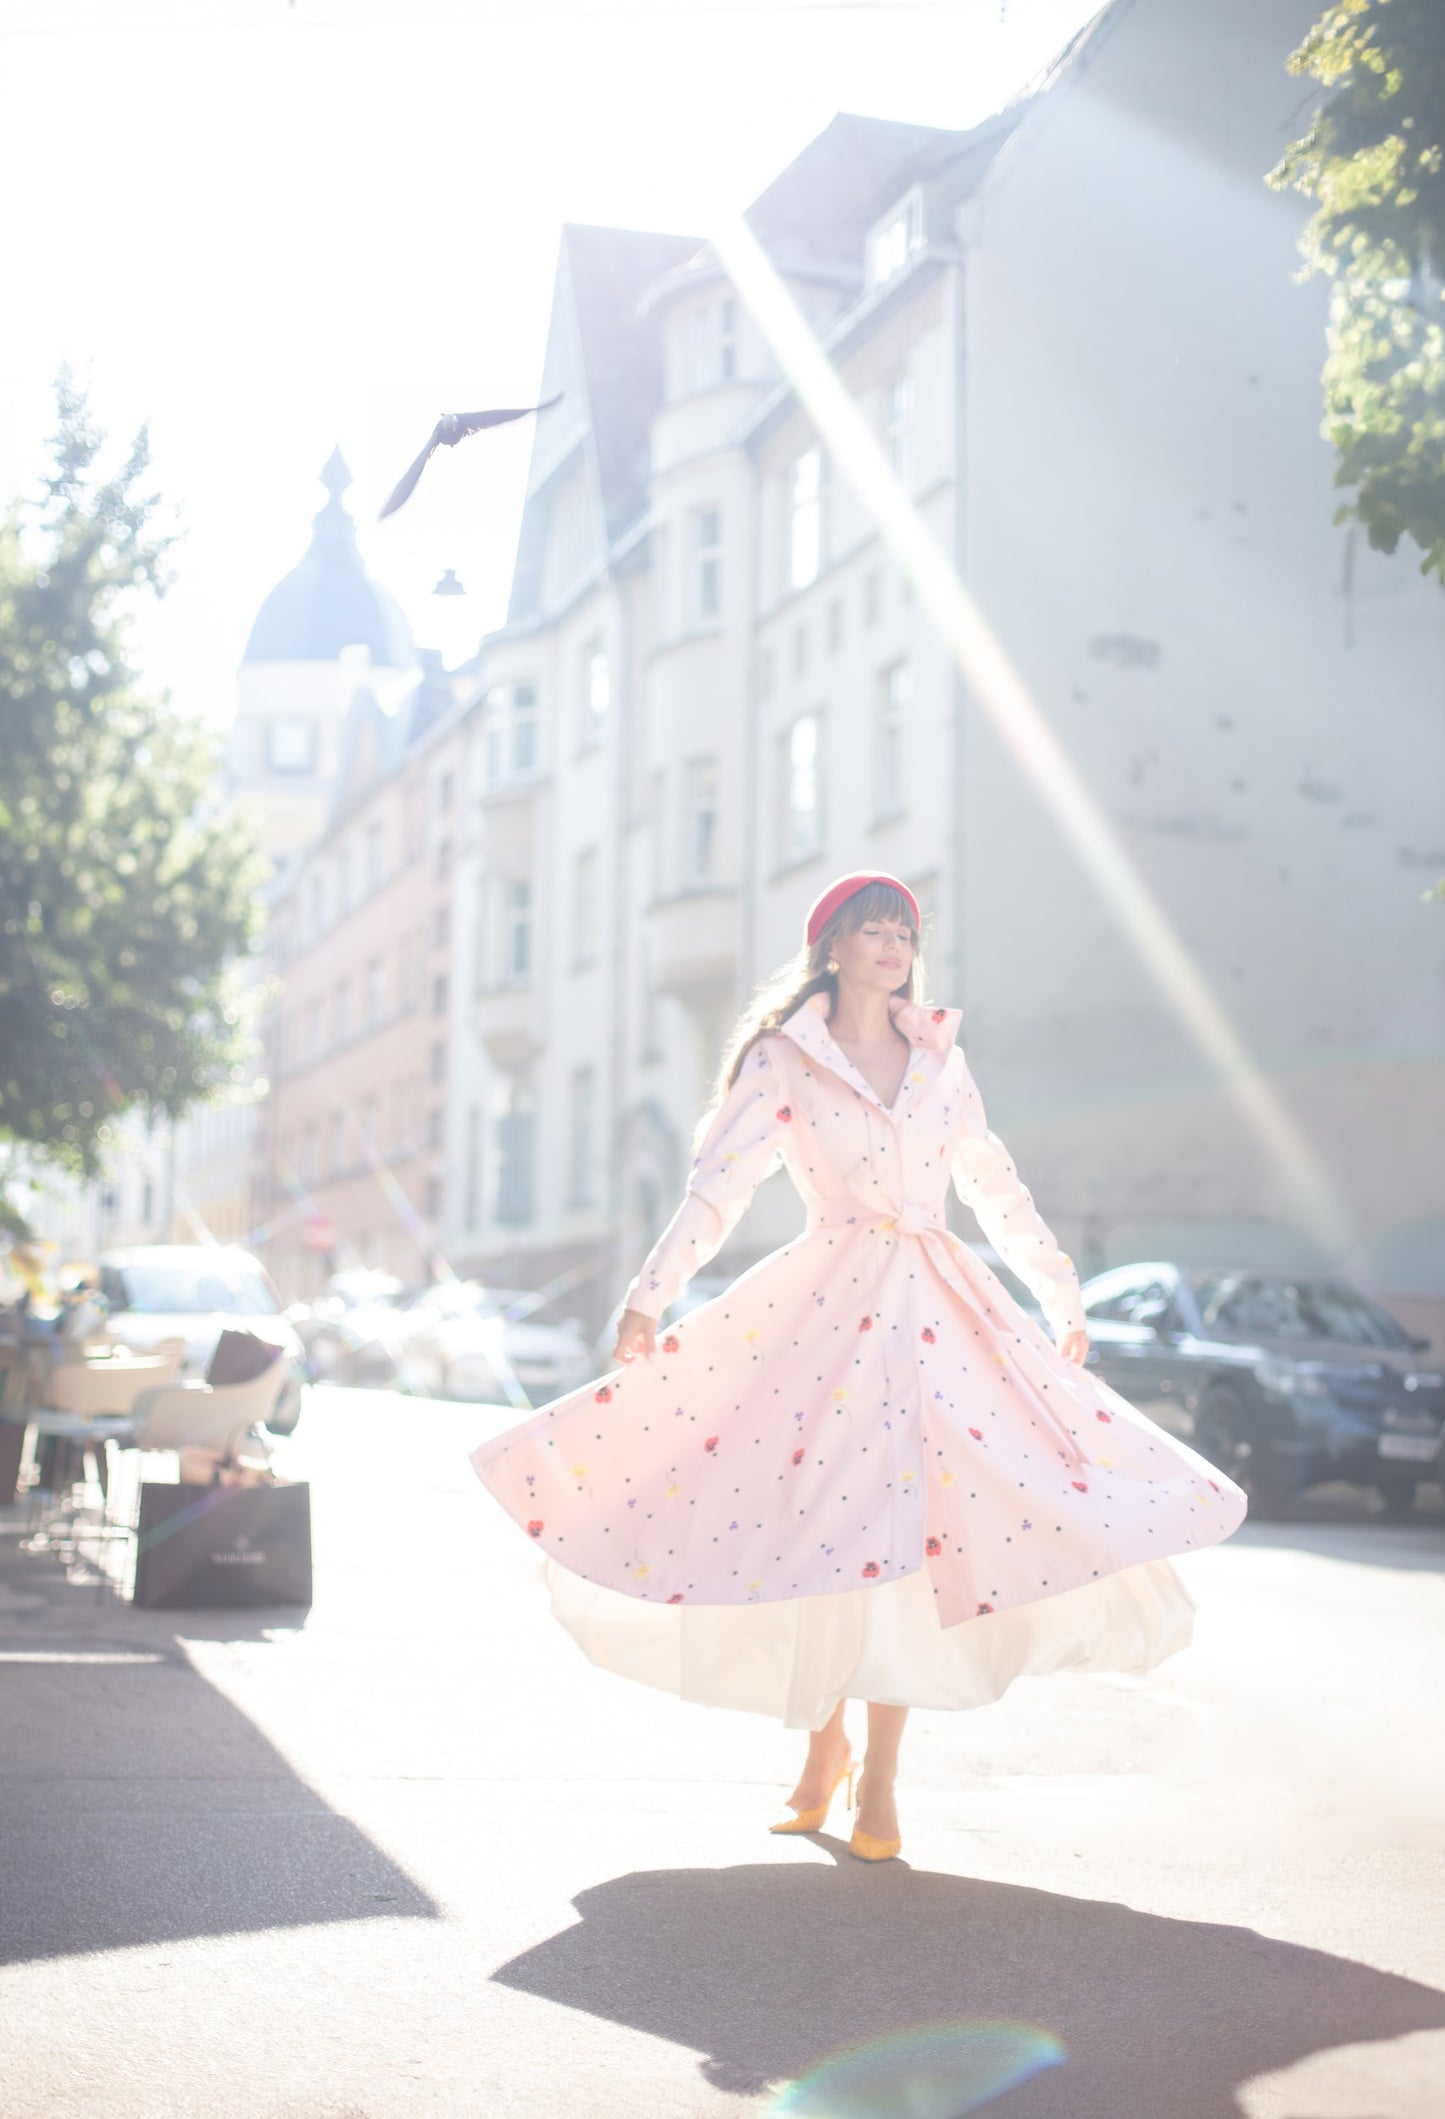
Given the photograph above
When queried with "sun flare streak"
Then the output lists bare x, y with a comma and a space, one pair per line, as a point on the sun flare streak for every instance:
1001, 692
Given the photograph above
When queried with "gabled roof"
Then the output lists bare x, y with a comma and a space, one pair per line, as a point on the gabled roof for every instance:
611, 375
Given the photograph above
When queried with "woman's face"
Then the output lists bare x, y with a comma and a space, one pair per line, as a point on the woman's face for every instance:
876, 956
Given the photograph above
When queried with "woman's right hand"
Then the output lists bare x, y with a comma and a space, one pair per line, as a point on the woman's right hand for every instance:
636, 1334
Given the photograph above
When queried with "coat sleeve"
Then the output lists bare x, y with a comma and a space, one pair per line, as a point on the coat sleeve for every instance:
737, 1152
986, 1179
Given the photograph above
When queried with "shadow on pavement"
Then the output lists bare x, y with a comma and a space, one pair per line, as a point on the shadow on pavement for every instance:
767, 1970
137, 1805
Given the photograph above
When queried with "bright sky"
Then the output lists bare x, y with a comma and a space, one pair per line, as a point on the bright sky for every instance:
269, 227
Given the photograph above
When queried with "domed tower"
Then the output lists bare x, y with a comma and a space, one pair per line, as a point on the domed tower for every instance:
325, 631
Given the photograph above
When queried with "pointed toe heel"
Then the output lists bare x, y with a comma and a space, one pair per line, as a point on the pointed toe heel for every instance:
814, 1820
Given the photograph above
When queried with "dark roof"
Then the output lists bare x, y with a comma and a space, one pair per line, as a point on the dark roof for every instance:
610, 372
328, 601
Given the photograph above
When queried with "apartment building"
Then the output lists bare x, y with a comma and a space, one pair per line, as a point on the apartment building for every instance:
1077, 333
351, 1143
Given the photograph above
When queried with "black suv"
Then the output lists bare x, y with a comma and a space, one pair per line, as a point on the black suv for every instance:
1284, 1380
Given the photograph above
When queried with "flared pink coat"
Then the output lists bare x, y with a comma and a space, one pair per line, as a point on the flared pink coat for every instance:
868, 1400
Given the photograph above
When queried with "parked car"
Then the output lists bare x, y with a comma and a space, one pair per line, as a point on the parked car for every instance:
194, 1291
460, 1339
1283, 1380
353, 1331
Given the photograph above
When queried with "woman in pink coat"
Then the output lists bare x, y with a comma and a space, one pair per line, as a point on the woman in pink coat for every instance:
863, 1472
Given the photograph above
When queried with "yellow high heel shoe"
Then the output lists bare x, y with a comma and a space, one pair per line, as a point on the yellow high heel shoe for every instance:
813, 1820
867, 1848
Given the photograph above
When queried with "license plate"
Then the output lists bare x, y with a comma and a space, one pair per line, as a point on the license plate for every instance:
1414, 1449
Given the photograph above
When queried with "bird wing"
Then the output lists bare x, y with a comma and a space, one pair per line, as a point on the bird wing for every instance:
407, 482
473, 422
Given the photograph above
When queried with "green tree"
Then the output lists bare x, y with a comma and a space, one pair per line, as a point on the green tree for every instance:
128, 901
1374, 162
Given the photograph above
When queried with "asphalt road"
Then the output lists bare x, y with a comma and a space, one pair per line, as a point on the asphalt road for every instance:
410, 1854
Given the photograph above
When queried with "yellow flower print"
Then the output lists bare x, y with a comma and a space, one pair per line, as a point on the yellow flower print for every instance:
751, 1333
579, 1471
908, 1478
641, 1569
839, 1394
671, 1493
755, 1585
945, 1478
1105, 1463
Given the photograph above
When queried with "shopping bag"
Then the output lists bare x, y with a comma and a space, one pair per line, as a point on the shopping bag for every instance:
202, 1548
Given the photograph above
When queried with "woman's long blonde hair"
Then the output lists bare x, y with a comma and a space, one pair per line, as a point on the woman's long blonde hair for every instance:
805, 974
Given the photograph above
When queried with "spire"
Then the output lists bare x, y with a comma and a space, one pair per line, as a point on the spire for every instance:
334, 474
333, 523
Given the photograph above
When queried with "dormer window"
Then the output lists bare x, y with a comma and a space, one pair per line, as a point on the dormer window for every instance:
712, 344
894, 240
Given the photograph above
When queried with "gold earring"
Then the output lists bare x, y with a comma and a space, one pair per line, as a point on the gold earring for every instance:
832, 963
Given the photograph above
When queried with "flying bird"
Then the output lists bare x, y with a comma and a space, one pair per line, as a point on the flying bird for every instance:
451, 428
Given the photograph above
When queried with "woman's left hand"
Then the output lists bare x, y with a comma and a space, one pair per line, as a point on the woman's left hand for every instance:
1074, 1346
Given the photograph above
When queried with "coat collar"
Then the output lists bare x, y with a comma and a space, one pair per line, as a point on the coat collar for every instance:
933, 1029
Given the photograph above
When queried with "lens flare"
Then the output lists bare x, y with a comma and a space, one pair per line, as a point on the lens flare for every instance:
938, 2071
999, 689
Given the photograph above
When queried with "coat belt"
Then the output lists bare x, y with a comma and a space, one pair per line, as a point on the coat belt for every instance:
911, 1219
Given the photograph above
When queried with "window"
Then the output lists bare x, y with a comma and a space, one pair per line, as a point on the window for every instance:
800, 650
766, 668
343, 880
315, 907
706, 564
649, 1027
894, 239
433, 1199
711, 354
434, 1130
833, 626
872, 596
439, 994
516, 935
444, 860
375, 856
895, 699
313, 1030
441, 926
438, 1061
584, 1136
802, 819
595, 692
341, 1013
290, 744
375, 989
445, 792
586, 923
898, 428
509, 721
336, 1151
514, 1149
309, 1171
805, 518
699, 820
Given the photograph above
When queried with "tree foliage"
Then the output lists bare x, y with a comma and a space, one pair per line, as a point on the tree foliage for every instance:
127, 902
1374, 162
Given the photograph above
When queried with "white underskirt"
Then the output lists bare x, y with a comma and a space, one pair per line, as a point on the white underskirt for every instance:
794, 1660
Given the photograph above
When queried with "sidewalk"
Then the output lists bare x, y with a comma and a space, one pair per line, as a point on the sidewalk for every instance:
414, 1856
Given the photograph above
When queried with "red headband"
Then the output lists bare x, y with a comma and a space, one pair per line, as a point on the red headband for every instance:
824, 907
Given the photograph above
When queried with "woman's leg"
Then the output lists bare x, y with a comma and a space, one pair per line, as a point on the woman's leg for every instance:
827, 1749
877, 1813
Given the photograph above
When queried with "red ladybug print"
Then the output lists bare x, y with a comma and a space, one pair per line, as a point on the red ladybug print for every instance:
786, 1114
865, 1324
977, 1433
1215, 1484
932, 1547
938, 1014
711, 1444
929, 1335
982, 1609
798, 1455
535, 1527
671, 1343
676, 1597
1080, 1485
601, 1397
1100, 1414
870, 1567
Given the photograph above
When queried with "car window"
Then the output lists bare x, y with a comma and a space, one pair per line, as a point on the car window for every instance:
162, 1288
1240, 1306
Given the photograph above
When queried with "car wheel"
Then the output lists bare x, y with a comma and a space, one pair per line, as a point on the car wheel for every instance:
1269, 1486
1398, 1496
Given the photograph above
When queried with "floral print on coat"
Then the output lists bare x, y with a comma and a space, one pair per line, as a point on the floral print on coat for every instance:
868, 1399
